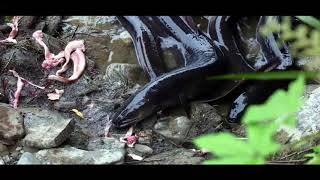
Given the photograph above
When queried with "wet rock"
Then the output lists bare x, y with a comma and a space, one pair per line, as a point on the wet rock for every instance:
64, 106
143, 149
22, 59
205, 119
52, 24
4, 29
3, 147
107, 39
29, 149
108, 143
28, 158
55, 45
79, 138
14, 156
122, 49
6, 159
120, 74
311, 63
27, 24
97, 115
45, 129
124, 36
177, 156
11, 124
308, 116
145, 137
71, 155
175, 128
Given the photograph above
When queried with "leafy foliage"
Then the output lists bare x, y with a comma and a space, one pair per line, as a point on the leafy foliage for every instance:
303, 40
280, 75
315, 156
262, 123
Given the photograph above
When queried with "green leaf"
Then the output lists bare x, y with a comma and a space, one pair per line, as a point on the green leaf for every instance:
310, 20
280, 104
316, 149
315, 159
260, 139
261, 122
223, 144
236, 160
272, 109
266, 75
296, 88
315, 156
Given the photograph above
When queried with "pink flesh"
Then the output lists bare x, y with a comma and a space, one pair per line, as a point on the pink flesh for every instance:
14, 31
20, 85
51, 60
79, 64
21, 82
72, 46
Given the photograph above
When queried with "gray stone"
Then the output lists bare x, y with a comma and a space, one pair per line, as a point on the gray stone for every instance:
52, 24
308, 116
6, 159
174, 128
176, 156
11, 123
311, 63
15, 155
145, 137
109, 42
205, 119
1, 161
3, 148
121, 74
45, 129
143, 149
28, 158
108, 143
72, 155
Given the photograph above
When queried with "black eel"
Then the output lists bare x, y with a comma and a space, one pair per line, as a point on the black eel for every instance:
198, 56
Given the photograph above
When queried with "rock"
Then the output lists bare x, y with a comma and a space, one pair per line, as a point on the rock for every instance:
45, 129
124, 36
109, 42
176, 156
23, 60
308, 117
11, 124
28, 158
143, 149
110, 144
145, 137
27, 24
64, 106
311, 63
3, 148
6, 159
29, 149
52, 24
120, 75
14, 156
205, 119
174, 128
72, 155
1, 161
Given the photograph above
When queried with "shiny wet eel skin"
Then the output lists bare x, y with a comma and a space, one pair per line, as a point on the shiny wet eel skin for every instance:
198, 55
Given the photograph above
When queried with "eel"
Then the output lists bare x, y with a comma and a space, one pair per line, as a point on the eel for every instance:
196, 52
198, 55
